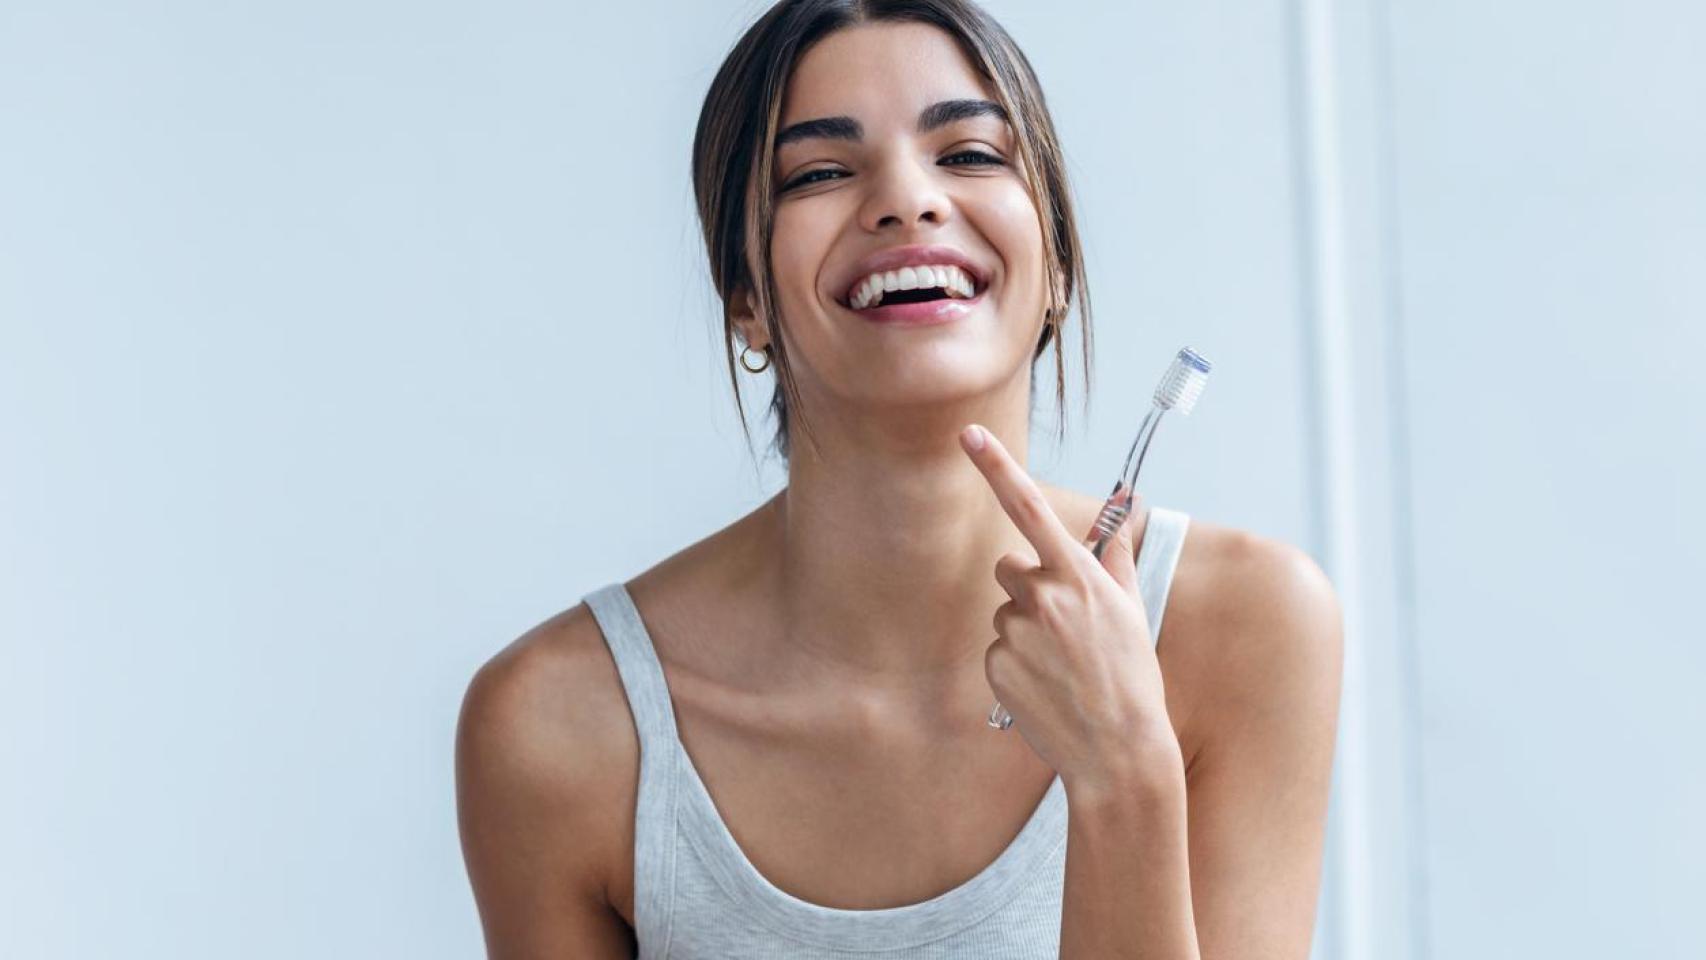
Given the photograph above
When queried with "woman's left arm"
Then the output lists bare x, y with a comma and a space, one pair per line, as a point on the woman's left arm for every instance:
1218, 854
1210, 849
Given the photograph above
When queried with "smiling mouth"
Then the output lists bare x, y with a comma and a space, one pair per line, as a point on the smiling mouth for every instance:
912, 285
899, 298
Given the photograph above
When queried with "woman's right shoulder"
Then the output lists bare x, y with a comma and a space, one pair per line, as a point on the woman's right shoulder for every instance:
547, 765
553, 696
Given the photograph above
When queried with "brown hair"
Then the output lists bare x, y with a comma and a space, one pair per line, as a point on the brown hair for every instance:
732, 160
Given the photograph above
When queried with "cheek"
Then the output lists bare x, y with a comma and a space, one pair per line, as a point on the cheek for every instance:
800, 240
1012, 226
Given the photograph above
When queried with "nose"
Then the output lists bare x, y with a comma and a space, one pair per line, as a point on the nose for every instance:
904, 194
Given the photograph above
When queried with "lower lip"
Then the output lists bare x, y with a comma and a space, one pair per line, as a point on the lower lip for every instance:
926, 313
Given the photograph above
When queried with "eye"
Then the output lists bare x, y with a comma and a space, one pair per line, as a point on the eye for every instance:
980, 159
806, 178
974, 158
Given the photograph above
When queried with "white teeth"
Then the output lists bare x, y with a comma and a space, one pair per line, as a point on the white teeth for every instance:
951, 279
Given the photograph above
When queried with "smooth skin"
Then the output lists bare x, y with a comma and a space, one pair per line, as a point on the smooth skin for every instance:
830, 655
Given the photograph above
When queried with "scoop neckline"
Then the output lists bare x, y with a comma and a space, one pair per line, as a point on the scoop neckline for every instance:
785, 914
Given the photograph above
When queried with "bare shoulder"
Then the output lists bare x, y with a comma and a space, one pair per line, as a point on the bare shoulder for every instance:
1243, 580
546, 769
1253, 629
1252, 645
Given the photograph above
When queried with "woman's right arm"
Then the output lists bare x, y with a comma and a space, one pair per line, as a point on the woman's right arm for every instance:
533, 799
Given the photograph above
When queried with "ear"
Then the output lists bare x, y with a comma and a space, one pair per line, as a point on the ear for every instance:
741, 309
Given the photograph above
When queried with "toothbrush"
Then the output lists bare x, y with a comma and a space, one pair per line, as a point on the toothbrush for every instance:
1179, 388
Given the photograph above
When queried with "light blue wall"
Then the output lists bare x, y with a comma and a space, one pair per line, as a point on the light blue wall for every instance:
1551, 214
340, 343
343, 342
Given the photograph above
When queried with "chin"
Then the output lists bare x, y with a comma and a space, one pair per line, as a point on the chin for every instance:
937, 377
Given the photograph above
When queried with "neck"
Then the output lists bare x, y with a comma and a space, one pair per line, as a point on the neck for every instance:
885, 548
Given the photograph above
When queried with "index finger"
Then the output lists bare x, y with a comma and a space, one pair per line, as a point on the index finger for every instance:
1023, 501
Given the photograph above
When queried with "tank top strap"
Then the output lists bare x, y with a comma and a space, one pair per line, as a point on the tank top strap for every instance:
637, 663
1157, 559
657, 804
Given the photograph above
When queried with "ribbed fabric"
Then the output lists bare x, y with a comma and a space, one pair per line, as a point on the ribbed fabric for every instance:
697, 896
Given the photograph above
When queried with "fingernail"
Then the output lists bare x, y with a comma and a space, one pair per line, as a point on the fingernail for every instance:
973, 437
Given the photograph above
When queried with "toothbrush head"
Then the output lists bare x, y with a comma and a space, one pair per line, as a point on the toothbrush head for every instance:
1183, 382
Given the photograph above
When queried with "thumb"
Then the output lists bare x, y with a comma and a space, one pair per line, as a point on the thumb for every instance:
1118, 557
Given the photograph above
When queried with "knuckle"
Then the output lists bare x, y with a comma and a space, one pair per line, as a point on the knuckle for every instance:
1054, 605
1033, 504
1047, 604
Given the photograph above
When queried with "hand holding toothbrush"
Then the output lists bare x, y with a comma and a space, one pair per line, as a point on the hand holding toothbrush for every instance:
1073, 655
1179, 389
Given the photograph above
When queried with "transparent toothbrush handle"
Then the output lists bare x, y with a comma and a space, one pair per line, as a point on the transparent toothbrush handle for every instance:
1114, 511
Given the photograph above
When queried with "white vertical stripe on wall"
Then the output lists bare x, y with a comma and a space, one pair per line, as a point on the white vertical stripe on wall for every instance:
1321, 261
1372, 891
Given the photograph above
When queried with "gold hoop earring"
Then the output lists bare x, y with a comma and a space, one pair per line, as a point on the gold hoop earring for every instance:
749, 367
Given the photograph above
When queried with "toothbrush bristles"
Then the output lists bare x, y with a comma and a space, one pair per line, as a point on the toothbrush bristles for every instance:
1183, 382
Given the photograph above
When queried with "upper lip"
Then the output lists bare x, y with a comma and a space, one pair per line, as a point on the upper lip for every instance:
910, 256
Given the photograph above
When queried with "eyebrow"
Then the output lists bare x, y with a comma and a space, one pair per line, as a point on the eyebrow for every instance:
936, 115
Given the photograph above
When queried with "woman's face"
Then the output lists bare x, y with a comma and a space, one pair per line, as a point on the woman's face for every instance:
904, 172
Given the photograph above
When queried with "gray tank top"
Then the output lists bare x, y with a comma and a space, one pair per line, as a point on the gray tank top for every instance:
697, 896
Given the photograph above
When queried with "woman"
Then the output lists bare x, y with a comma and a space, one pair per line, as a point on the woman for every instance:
773, 743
